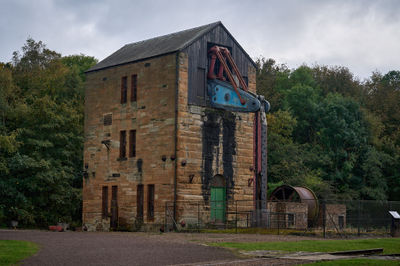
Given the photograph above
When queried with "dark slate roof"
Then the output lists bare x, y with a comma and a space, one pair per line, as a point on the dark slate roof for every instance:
155, 47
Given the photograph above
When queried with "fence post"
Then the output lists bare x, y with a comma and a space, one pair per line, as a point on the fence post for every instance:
388, 225
165, 217
198, 217
358, 217
279, 222
324, 218
236, 218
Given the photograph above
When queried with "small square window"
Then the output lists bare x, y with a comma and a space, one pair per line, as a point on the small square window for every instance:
107, 119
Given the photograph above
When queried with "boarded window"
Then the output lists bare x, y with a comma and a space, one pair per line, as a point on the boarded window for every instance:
107, 119
114, 207
104, 205
150, 202
132, 143
122, 144
134, 88
341, 221
114, 193
124, 89
139, 201
290, 217
200, 85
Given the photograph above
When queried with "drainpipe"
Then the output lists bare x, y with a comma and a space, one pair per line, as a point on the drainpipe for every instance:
176, 132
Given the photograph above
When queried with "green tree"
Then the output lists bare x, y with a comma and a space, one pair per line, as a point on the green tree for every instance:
384, 99
340, 80
334, 143
42, 135
272, 81
288, 162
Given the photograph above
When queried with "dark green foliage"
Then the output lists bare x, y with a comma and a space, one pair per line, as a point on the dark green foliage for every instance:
327, 131
332, 133
272, 81
41, 136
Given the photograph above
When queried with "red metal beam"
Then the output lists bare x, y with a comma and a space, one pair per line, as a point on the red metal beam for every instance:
216, 53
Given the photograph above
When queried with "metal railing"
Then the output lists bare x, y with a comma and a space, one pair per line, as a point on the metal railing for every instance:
332, 217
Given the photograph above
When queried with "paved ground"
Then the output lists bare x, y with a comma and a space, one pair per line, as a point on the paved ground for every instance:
83, 248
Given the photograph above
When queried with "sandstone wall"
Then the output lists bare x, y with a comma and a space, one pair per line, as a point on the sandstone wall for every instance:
212, 142
153, 118
209, 142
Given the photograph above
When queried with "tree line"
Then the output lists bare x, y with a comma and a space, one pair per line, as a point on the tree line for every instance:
331, 132
41, 135
327, 131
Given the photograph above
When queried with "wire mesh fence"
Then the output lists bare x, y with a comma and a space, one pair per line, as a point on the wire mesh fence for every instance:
323, 218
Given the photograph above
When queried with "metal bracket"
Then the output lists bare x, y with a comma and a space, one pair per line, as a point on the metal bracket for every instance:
107, 143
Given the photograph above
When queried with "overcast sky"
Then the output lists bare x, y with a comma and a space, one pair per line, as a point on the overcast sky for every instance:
361, 35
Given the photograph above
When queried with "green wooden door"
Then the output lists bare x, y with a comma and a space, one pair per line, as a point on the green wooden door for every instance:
218, 204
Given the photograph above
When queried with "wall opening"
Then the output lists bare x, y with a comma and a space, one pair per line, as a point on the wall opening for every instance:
122, 144
139, 203
150, 202
114, 208
104, 205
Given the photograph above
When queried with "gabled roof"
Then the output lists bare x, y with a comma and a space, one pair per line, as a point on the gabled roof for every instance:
157, 46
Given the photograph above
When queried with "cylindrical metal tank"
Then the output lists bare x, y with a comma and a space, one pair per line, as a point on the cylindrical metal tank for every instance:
298, 194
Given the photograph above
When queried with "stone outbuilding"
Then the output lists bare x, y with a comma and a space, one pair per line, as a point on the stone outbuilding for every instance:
334, 215
299, 208
154, 147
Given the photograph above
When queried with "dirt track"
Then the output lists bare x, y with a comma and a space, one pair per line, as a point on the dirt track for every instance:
77, 248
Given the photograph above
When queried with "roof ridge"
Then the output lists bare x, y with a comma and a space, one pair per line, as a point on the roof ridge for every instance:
156, 46
209, 27
175, 33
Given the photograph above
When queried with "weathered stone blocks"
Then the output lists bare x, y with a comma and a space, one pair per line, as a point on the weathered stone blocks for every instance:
208, 142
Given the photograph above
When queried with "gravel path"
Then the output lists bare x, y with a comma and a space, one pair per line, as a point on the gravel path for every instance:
83, 248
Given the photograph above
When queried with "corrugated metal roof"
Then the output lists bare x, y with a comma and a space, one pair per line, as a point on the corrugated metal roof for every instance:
154, 47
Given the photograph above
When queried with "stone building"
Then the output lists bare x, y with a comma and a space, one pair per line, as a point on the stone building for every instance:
299, 208
334, 215
153, 145
286, 214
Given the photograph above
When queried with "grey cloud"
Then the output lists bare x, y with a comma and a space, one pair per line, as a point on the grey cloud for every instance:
362, 35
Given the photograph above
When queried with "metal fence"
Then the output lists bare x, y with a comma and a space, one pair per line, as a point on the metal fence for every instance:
327, 218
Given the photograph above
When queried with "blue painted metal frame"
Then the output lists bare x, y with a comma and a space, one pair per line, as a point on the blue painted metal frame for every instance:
223, 96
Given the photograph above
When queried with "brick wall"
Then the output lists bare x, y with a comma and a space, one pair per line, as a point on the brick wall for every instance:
280, 211
332, 214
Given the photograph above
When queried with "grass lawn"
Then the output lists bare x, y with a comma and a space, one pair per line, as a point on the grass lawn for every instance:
12, 251
363, 262
389, 245
257, 230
